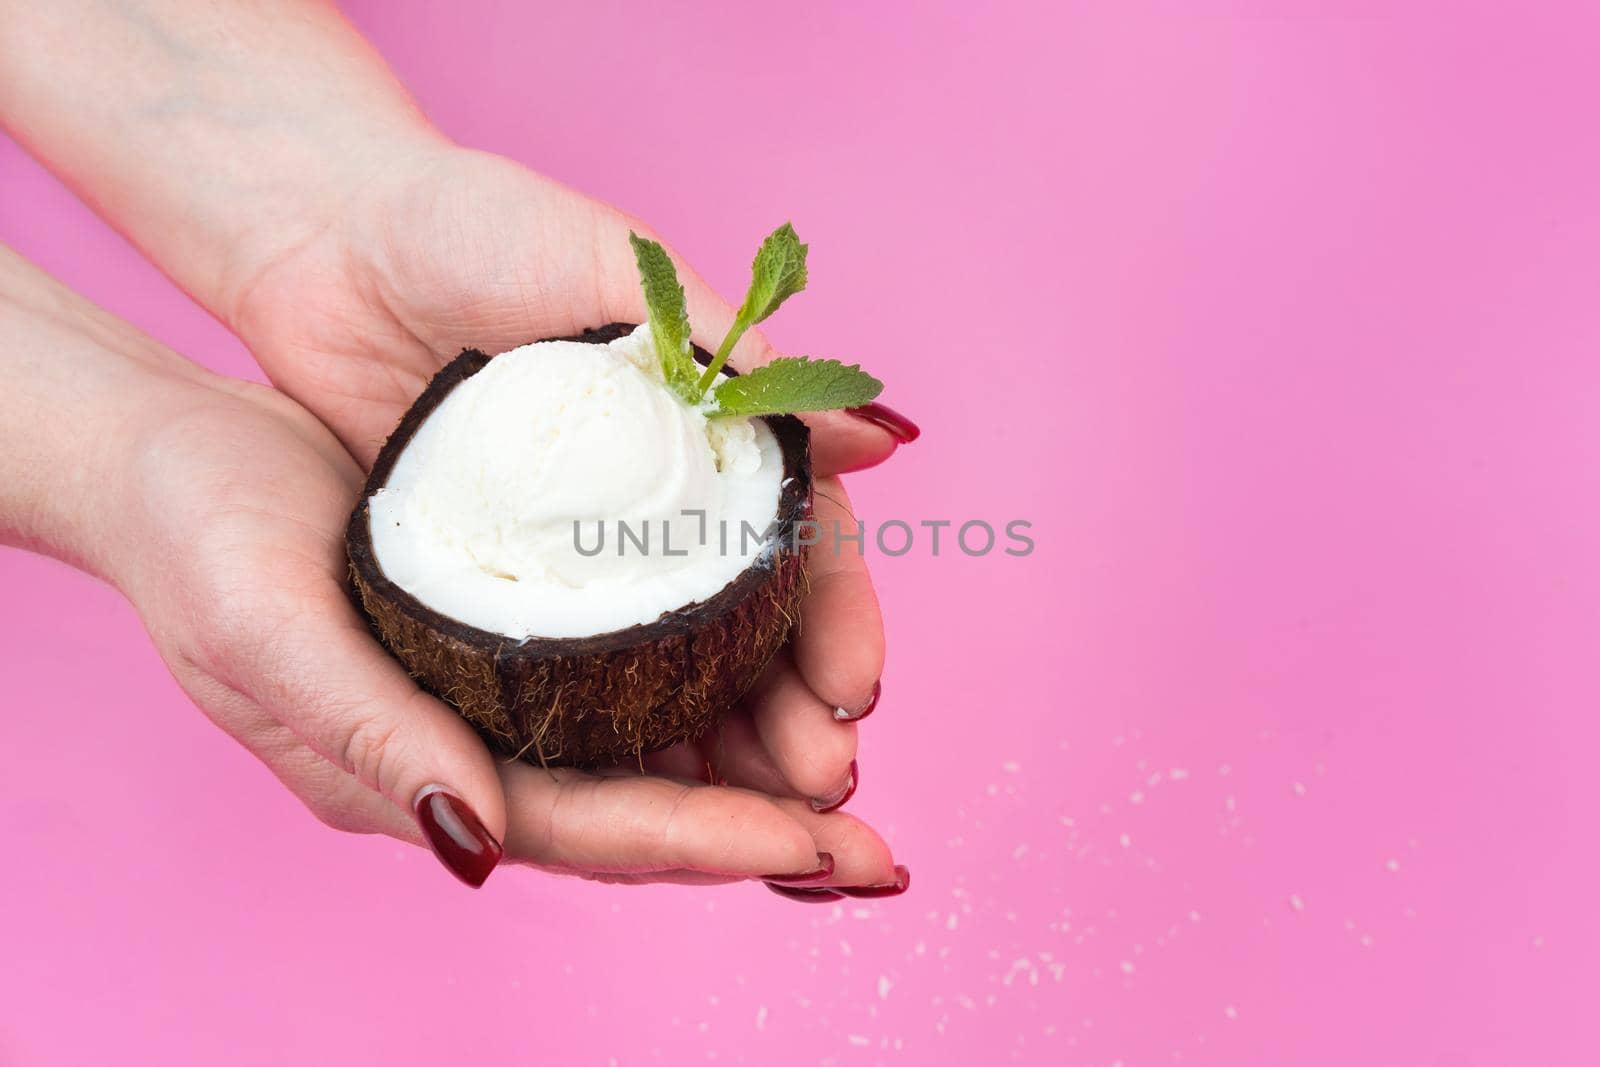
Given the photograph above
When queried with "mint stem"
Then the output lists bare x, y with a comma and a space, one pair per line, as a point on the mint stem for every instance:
724, 350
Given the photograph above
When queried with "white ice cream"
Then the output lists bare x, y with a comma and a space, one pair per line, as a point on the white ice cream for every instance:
477, 519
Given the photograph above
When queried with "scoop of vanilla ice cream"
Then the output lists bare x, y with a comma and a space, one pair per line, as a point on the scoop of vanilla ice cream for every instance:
478, 517
557, 433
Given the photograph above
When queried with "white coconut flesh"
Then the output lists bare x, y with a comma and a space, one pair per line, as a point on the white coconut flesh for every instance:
477, 519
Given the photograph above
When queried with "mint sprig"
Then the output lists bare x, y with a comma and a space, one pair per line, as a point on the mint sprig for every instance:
779, 272
794, 383
789, 384
669, 317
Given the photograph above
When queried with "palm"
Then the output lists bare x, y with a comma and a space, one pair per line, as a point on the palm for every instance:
474, 252
251, 494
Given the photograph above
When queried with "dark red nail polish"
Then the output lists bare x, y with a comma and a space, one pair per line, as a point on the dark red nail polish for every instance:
806, 896
823, 805
847, 715
457, 836
820, 873
889, 419
902, 882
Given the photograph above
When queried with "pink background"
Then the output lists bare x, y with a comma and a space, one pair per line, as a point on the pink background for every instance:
1277, 320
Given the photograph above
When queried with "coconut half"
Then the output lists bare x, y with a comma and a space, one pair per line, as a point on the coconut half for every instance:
604, 697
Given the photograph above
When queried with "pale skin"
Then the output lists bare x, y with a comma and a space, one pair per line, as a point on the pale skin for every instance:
265, 158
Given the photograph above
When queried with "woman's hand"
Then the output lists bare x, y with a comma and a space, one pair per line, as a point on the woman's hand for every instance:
468, 249
238, 500
471, 250
218, 507
355, 250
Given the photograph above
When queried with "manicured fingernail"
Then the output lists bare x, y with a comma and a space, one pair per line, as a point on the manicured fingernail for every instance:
806, 896
821, 872
857, 714
823, 805
457, 836
889, 419
902, 882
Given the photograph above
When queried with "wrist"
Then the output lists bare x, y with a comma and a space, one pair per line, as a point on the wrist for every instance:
297, 235
217, 137
82, 388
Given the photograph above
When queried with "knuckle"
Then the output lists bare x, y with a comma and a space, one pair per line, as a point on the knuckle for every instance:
371, 752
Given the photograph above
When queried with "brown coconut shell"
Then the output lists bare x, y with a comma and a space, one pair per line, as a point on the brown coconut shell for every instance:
612, 697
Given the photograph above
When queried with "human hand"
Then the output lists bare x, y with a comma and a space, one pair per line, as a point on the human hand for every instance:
355, 250
218, 507
237, 501
470, 250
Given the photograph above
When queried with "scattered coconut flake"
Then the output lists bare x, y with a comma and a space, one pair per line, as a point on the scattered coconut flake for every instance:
884, 985
761, 1017
1011, 766
1178, 774
859, 1040
1136, 797
1230, 1011
1127, 966
1392, 866
1019, 852
1125, 840
1299, 789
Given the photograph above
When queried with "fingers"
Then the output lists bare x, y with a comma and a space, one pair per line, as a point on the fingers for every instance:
812, 751
324, 678
333, 796
844, 441
640, 825
860, 856
839, 648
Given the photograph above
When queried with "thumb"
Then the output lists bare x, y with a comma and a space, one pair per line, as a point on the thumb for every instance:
336, 689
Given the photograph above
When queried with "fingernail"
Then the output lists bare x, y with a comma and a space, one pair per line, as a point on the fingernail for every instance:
902, 882
821, 872
823, 805
888, 418
806, 896
857, 714
456, 835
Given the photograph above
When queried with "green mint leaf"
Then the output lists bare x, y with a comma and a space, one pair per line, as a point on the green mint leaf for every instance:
669, 317
779, 272
795, 383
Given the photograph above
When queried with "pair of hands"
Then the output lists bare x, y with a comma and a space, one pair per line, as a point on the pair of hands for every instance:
234, 553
